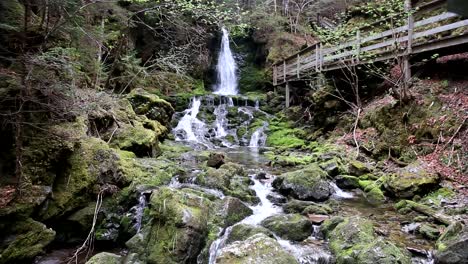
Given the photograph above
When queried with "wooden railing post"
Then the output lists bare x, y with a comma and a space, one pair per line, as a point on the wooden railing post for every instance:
275, 75
287, 94
284, 71
298, 66
358, 47
320, 57
409, 47
316, 57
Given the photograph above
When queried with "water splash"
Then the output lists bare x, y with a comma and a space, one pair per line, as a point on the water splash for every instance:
189, 127
226, 68
259, 137
140, 208
340, 193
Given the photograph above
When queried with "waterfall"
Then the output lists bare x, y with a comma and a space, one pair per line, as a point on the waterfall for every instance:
139, 211
258, 138
189, 127
226, 68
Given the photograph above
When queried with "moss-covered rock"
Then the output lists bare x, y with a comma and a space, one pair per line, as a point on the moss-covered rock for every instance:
429, 231
307, 207
372, 191
234, 210
26, 240
282, 135
137, 139
357, 168
352, 240
411, 180
105, 258
291, 226
178, 229
452, 245
150, 105
306, 184
231, 179
257, 249
347, 182
241, 232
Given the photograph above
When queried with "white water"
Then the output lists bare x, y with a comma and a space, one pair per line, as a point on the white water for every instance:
226, 68
139, 211
265, 208
190, 124
259, 137
340, 193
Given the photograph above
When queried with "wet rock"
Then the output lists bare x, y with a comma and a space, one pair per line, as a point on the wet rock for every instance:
291, 226
347, 182
306, 184
276, 198
429, 231
306, 207
105, 258
235, 210
25, 240
332, 167
241, 232
137, 139
132, 258
261, 176
150, 105
257, 249
411, 180
452, 245
180, 219
317, 219
372, 191
357, 168
229, 178
215, 160
352, 240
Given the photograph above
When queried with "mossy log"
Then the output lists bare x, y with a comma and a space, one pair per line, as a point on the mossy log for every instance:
426, 210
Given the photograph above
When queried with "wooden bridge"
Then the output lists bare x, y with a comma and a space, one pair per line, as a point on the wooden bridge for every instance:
415, 37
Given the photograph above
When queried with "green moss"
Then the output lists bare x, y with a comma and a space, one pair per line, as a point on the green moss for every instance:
12, 13
253, 78
281, 135
104, 258
438, 196
29, 240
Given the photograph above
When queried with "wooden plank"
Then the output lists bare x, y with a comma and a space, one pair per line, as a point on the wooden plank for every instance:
284, 70
298, 65
287, 94
440, 29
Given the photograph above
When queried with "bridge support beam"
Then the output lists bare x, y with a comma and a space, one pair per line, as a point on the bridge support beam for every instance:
287, 94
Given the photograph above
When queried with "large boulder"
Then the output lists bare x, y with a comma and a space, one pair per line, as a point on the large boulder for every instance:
307, 207
291, 226
231, 179
105, 258
306, 184
452, 245
411, 180
151, 106
180, 222
25, 240
234, 211
241, 232
352, 240
215, 160
257, 249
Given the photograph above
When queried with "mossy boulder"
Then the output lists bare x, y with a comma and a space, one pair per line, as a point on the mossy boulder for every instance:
105, 258
307, 207
411, 180
333, 167
451, 246
91, 161
309, 183
136, 138
352, 240
357, 168
150, 105
26, 239
234, 210
229, 178
347, 181
291, 226
241, 232
429, 231
178, 227
372, 191
257, 249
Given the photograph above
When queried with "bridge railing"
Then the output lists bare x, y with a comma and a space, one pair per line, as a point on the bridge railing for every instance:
398, 41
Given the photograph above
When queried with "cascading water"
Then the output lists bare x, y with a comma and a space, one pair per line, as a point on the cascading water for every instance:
189, 127
226, 68
259, 137
139, 211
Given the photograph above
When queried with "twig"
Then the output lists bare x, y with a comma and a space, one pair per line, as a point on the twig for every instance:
456, 132
354, 131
